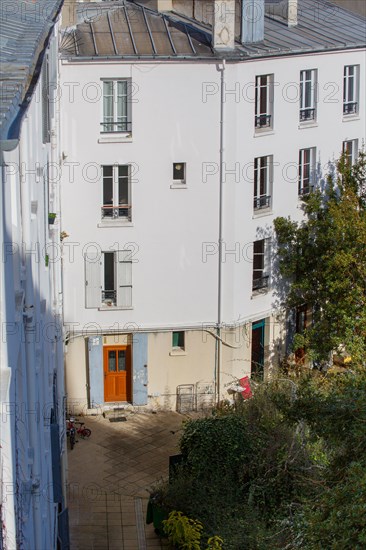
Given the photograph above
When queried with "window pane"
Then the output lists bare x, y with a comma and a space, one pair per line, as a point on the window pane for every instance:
107, 185
178, 339
108, 272
123, 197
111, 361
121, 360
178, 171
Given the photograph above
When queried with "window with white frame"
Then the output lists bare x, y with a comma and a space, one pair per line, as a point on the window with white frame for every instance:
261, 264
116, 106
262, 182
108, 279
308, 83
179, 173
306, 179
116, 192
350, 89
263, 101
350, 150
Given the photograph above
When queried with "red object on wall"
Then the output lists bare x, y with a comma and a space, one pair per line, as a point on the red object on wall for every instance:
245, 384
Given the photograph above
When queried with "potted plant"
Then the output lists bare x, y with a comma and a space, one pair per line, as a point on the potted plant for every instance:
157, 509
51, 218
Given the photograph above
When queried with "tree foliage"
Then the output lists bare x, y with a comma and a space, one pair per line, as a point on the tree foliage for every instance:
323, 258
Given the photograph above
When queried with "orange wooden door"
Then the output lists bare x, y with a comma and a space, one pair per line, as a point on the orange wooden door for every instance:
117, 368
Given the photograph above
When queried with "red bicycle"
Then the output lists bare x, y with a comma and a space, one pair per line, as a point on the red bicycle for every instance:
71, 430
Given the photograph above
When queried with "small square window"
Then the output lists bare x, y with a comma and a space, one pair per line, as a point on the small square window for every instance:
179, 172
178, 340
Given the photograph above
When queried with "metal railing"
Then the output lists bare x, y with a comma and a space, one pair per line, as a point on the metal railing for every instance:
306, 189
114, 127
307, 114
262, 202
262, 121
111, 212
350, 108
260, 282
109, 297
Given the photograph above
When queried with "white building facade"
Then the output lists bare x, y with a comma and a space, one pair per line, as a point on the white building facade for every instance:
32, 446
180, 148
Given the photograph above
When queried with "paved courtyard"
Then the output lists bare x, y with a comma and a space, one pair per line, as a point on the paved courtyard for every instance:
109, 478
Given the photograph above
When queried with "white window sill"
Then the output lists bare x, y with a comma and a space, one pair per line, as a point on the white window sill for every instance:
350, 118
114, 308
120, 138
178, 186
263, 132
262, 213
116, 223
178, 352
259, 292
308, 124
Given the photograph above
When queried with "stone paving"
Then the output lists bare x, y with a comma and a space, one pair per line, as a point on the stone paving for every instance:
109, 479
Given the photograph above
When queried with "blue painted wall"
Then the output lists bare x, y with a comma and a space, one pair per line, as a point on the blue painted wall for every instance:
96, 376
139, 370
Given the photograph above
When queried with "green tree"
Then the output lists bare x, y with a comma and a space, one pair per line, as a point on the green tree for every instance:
322, 262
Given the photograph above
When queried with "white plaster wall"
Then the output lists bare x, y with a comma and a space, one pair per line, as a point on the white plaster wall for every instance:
172, 285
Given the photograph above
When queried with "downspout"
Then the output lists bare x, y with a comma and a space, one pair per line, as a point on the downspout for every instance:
31, 364
219, 281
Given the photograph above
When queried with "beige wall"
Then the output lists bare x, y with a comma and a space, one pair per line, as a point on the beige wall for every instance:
168, 369
357, 6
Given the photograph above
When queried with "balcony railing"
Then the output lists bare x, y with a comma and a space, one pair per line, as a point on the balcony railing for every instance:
262, 121
262, 202
307, 114
111, 212
350, 108
260, 282
109, 297
306, 189
113, 127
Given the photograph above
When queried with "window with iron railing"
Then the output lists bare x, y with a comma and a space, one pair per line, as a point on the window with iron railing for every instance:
350, 89
263, 101
116, 106
116, 193
306, 175
262, 182
308, 84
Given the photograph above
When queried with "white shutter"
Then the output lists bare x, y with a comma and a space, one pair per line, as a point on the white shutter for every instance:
93, 289
124, 278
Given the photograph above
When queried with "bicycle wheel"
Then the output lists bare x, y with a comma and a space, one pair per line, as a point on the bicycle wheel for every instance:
85, 432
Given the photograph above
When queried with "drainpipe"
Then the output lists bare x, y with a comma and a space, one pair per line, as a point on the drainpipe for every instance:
30, 356
219, 282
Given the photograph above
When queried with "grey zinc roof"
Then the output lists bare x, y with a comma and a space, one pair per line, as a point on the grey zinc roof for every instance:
24, 27
126, 29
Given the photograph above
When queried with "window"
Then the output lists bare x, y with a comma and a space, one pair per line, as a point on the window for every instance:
306, 170
350, 90
179, 173
350, 150
116, 192
263, 101
262, 182
307, 95
260, 264
178, 340
116, 106
108, 279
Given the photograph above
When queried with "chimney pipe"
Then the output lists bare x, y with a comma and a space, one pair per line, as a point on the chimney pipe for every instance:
164, 5
223, 29
252, 28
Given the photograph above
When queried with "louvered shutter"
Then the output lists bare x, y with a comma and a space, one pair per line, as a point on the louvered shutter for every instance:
124, 278
93, 289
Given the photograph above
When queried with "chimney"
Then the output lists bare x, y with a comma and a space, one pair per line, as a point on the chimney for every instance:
252, 28
223, 29
68, 14
165, 5
285, 9
292, 13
